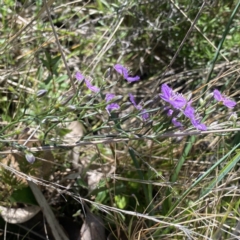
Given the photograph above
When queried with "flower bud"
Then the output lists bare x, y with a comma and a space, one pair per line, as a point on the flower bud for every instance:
208, 96
108, 73
66, 98
30, 158
202, 102
233, 117
41, 93
71, 107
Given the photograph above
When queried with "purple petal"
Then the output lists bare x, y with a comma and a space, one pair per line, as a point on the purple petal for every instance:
170, 113
132, 99
175, 99
121, 69
178, 102
144, 114
198, 125
229, 103
132, 79
79, 76
166, 92
176, 123
189, 111
226, 101
111, 107
109, 97
91, 87
138, 107
217, 95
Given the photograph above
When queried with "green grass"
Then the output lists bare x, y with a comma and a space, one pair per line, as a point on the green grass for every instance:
143, 179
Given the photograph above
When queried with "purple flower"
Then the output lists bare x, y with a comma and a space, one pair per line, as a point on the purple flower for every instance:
109, 97
178, 102
79, 76
198, 125
176, 123
189, 112
226, 101
111, 107
138, 107
123, 71
91, 87
144, 114
175, 99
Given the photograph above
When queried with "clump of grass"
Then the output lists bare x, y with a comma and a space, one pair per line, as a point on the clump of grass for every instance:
139, 79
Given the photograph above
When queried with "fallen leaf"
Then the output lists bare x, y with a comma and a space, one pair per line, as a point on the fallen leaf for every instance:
18, 215
92, 228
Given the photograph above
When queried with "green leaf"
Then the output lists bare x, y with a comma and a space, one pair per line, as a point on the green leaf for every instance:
82, 183
63, 131
200, 179
23, 195
121, 201
231, 164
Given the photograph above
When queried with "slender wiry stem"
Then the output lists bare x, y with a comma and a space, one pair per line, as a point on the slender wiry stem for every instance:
59, 47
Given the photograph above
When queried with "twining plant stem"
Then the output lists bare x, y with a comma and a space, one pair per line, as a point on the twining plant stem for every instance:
59, 47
